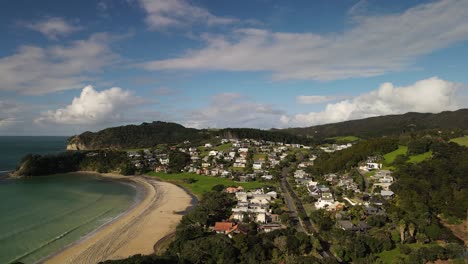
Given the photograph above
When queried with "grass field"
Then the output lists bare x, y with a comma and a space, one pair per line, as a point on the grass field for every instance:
390, 157
463, 141
392, 256
203, 183
345, 139
420, 157
223, 147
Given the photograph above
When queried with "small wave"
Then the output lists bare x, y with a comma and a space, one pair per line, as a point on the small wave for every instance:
49, 220
58, 237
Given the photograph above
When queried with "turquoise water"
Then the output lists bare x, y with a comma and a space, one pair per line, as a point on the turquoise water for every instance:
39, 216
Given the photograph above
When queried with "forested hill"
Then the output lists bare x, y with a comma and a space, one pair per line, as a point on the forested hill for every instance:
151, 134
136, 136
387, 125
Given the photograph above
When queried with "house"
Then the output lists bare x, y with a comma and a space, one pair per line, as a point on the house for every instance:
270, 227
257, 165
272, 194
373, 166
224, 227
213, 153
300, 174
267, 177
238, 165
243, 150
314, 191
386, 179
164, 161
208, 145
225, 174
387, 194
234, 189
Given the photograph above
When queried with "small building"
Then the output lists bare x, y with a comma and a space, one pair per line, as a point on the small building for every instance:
270, 227
224, 227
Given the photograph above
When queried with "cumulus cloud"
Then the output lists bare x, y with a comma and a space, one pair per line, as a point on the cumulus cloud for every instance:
162, 14
34, 70
233, 110
373, 46
431, 95
53, 27
92, 107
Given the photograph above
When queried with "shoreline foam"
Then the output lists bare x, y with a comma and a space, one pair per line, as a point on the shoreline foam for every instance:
153, 216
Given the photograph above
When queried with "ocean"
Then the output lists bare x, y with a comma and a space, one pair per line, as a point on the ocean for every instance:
40, 216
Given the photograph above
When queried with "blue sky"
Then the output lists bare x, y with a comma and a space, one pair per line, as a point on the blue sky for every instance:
68, 67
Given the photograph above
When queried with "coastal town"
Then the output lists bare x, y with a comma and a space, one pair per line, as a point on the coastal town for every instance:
291, 191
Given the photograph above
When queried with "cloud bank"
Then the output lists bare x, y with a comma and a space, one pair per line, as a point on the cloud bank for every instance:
431, 95
92, 107
34, 70
374, 46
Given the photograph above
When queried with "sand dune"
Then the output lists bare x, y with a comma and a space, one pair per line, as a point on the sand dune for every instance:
134, 232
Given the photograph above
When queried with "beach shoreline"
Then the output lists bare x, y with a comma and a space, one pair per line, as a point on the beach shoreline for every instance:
154, 215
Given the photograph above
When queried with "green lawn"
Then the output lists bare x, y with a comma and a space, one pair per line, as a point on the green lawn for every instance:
203, 183
392, 256
345, 139
390, 157
463, 141
224, 147
257, 156
420, 157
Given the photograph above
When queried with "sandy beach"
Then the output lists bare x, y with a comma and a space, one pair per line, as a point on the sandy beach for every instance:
136, 231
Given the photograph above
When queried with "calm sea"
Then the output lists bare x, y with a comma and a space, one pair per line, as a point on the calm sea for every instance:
40, 216
12, 149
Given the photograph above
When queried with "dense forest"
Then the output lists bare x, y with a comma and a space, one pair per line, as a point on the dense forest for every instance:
438, 186
346, 159
388, 125
70, 161
137, 136
267, 135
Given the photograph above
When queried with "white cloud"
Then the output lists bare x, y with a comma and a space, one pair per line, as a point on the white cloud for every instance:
233, 110
374, 46
316, 99
34, 70
92, 107
431, 95
53, 27
162, 14
5, 122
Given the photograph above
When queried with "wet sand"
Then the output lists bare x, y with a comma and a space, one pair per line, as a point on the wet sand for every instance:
136, 231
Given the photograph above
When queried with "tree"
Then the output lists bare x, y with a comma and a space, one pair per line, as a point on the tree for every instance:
177, 161
218, 188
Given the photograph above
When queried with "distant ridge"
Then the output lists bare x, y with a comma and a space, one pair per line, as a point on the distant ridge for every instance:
135, 136
386, 125
149, 135
158, 132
